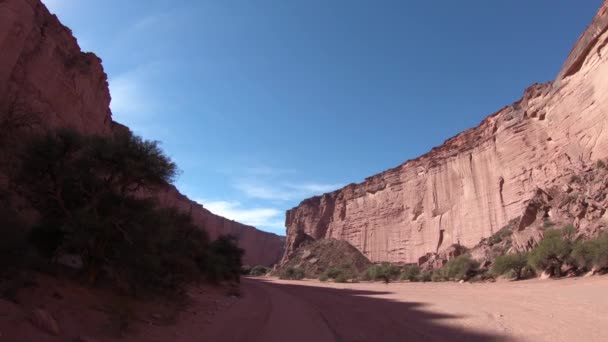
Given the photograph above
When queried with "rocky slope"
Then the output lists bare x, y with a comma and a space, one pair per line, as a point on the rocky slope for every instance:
44, 75
476, 182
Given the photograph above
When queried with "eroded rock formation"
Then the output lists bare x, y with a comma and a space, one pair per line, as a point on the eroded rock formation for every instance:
44, 73
476, 182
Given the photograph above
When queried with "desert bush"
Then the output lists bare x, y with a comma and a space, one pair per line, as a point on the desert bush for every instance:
515, 263
500, 235
292, 273
601, 164
338, 274
591, 254
224, 259
439, 275
323, 277
341, 278
548, 223
385, 272
425, 276
246, 269
552, 251
460, 267
259, 270
411, 273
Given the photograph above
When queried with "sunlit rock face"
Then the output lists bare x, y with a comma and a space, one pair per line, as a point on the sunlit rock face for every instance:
477, 181
43, 72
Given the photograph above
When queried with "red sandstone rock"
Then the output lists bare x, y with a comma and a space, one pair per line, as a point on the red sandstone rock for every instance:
43, 71
476, 182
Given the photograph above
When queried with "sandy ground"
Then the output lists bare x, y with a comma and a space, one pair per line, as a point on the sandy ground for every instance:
534, 310
274, 310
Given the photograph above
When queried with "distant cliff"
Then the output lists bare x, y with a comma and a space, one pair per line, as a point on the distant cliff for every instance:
476, 182
44, 72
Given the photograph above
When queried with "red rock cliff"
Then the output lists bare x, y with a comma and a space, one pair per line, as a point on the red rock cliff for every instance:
473, 184
43, 71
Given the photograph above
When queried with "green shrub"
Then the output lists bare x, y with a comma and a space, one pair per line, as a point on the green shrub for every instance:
548, 223
333, 272
510, 263
338, 274
460, 267
591, 254
439, 275
552, 251
411, 273
292, 273
341, 278
259, 271
425, 276
245, 269
323, 277
385, 272
500, 235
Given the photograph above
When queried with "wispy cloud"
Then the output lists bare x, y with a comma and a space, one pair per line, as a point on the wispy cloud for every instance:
283, 191
258, 217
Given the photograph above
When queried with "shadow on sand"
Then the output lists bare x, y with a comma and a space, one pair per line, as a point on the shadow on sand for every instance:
358, 315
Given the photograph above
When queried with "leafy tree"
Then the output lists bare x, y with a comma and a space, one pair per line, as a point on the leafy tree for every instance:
89, 190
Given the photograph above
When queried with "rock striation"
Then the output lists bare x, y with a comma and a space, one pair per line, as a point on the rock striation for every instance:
476, 182
45, 75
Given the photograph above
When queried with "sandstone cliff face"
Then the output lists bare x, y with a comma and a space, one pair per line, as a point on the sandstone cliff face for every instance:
43, 72
476, 182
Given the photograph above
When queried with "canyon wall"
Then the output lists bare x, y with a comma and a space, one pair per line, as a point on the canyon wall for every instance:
476, 182
44, 75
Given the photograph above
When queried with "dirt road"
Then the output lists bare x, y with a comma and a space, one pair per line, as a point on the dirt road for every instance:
555, 310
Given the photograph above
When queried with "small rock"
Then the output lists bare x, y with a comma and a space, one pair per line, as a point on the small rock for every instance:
44, 321
545, 275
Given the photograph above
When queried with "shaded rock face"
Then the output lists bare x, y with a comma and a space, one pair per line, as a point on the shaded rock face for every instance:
316, 257
476, 182
44, 73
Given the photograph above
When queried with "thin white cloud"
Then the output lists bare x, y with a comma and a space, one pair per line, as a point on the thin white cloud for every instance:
263, 191
313, 187
284, 191
257, 217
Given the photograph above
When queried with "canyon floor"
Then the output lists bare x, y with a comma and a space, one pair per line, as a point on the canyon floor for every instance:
533, 310
272, 310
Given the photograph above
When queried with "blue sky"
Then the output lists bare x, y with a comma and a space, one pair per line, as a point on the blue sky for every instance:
265, 103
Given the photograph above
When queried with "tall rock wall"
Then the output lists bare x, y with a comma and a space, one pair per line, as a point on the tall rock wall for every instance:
477, 181
44, 73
